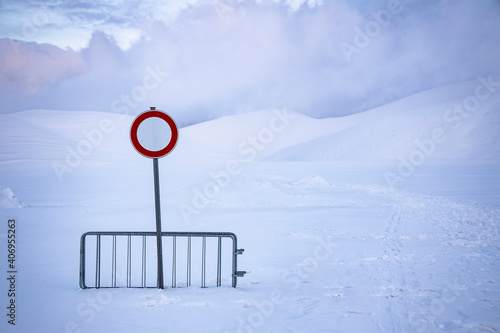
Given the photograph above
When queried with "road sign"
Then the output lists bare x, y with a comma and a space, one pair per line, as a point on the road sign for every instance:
154, 134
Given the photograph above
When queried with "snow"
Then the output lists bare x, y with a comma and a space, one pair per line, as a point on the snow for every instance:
444, 123
330, 244
8, 199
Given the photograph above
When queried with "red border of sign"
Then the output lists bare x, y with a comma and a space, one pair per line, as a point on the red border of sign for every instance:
151, 153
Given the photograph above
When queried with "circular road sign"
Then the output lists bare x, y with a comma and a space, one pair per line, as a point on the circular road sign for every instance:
154, 134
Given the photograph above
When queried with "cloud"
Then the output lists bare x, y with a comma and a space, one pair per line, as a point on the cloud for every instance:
327, 58
29, 68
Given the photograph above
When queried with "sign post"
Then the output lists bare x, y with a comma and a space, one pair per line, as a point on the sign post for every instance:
154, 134
159, 249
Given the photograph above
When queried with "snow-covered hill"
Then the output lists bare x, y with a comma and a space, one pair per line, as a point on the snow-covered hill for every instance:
447, 123
329, 245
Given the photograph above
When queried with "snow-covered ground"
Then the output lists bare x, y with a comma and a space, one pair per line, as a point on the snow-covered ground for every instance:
384, 221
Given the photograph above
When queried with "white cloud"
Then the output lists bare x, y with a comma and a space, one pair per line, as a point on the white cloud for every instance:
29, 68
296, 4
226, 57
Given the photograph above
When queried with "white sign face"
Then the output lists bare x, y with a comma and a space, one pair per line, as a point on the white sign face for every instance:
154, 134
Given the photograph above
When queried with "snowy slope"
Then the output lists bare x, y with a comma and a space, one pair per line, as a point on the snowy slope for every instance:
384, 133
256, 135
429, 119
329, 245
263, 132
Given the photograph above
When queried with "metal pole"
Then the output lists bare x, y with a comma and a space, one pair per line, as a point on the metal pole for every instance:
158, 223
144, 246
113, 263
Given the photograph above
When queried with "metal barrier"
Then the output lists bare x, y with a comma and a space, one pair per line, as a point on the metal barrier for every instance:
119, 271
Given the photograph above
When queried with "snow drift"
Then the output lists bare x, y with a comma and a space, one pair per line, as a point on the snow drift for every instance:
454, 122
8, 199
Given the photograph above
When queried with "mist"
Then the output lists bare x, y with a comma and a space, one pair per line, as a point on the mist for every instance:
323, 59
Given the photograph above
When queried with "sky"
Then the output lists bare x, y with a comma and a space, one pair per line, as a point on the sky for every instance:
203, 59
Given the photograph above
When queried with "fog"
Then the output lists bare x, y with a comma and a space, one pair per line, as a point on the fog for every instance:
210, 59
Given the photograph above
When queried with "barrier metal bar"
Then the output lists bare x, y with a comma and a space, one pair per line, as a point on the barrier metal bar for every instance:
219, 261
203, 262
143, 276
188, 269
98, 262
219, 235
174, 263
113, 263
129, 261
